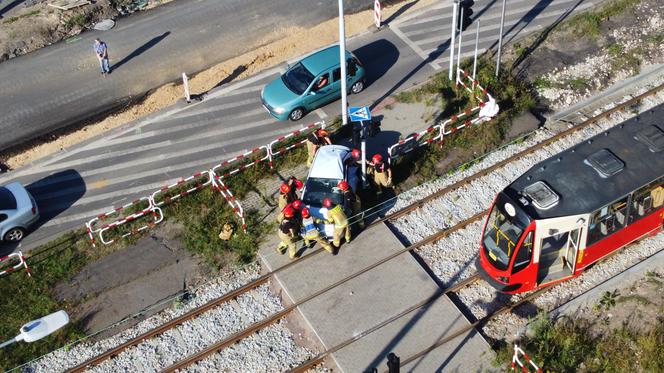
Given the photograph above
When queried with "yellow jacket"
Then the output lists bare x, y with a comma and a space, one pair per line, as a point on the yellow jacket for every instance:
337, 216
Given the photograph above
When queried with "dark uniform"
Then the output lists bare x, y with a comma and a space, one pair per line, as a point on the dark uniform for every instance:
353, 201
288, 231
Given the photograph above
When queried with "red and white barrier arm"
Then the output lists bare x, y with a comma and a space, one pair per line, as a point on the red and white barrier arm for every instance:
516, 360
21, 263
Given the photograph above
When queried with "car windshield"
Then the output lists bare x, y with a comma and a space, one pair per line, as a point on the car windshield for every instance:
297, 78
7, 200
500, 238
317, 189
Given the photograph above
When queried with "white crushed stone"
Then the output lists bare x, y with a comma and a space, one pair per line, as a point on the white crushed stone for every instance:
163, 350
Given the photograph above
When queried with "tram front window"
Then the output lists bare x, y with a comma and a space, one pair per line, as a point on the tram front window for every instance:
500, 238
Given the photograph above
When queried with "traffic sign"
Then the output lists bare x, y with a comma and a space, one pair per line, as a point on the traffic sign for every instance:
359, 114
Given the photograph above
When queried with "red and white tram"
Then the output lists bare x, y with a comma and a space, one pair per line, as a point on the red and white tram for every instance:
576, 207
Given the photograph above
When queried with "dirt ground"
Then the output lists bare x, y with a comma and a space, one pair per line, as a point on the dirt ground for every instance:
292, 43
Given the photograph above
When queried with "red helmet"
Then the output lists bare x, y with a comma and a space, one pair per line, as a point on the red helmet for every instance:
305, 212
343, 185
289, 212
298, 183
327, 202
377, 158
355, 153
284, 188
296, 204
322, 132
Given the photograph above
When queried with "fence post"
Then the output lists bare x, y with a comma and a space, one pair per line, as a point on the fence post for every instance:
185, 83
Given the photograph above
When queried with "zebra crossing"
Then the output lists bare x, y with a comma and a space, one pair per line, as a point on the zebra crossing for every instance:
428, 33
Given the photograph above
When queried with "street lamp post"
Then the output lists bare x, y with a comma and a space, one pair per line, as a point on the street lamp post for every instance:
40, 328
342, 63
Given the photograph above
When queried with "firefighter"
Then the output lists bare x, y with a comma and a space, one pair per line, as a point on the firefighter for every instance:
311, 233
295, 184
286, 197
288, 232
352, 200
315, 140
336, 215
381, 172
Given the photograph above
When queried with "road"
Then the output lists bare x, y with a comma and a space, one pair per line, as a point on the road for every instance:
60, 85
75, 185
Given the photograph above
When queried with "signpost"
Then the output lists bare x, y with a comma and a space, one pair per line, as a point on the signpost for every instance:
363, 116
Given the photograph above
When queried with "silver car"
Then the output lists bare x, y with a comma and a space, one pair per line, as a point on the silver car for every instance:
18, 210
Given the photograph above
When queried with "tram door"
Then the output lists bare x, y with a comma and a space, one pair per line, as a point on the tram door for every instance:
558, 251
572, 249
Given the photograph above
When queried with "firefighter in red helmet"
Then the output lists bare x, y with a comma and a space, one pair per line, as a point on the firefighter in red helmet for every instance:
337, 216
288, 232
353, 201
381, 173
315, 140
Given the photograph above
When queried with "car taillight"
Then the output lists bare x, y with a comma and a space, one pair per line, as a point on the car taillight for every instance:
34, 210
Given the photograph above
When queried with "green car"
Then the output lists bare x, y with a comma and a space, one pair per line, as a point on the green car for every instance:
311, 83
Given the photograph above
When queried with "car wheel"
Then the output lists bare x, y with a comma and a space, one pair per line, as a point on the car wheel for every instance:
357, 87
15, 234
296, 114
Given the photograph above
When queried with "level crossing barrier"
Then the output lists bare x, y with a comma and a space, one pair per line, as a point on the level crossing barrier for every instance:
377, 13
219, 186
292, 140
241, 162
436, 133
524, 367
21, 263
150, 206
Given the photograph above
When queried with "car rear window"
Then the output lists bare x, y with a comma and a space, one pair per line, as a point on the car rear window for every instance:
318, 189
7, 200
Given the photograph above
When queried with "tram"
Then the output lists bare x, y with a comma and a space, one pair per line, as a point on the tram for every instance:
576, 207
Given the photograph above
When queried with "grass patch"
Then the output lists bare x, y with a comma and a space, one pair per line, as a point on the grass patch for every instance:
589, 23
578, 83
79, 20
542, 82
615, 49
640, 299
573, 344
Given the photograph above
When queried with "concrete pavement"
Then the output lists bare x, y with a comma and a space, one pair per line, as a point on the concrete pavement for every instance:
75, 185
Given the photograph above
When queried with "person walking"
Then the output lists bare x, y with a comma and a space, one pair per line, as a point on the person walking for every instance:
311, 233
315, 140
336, 215
381, 172
101, 50
287, 232
353, 201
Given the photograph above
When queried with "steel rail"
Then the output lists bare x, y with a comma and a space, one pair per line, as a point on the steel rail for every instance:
320, 357
413, 206
278, 315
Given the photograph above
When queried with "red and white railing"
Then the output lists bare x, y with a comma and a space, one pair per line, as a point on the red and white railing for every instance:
524, 367
21, 263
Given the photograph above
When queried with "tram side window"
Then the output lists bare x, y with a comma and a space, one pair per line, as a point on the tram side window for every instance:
607, 220
524, 255
646, 200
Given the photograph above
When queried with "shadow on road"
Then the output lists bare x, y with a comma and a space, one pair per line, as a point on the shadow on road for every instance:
140, 50
399, 12
377, 57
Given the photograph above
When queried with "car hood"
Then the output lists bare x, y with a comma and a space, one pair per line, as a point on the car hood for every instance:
276, 94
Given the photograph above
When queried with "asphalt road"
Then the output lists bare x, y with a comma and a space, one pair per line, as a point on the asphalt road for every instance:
61, 84
75, 185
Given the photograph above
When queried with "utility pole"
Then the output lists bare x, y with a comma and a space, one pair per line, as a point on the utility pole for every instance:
500, 39
455, 10
477, 41
342, 62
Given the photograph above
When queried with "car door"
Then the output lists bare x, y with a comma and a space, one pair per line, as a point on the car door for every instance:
316, 97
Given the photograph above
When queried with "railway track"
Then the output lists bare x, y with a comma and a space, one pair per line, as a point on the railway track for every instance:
391, 217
